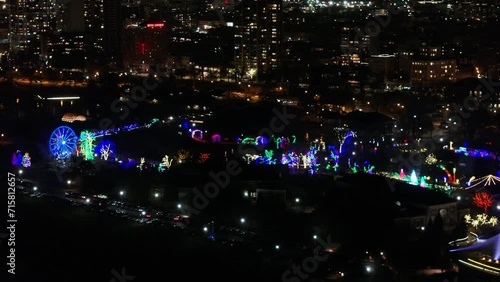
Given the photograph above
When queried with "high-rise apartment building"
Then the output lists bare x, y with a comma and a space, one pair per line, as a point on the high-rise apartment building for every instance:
28, 21
258, 30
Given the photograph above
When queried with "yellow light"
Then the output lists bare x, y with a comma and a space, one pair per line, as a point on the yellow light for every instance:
485, 265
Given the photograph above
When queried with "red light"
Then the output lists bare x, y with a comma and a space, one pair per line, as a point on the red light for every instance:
155, 25
148, 215
143, 48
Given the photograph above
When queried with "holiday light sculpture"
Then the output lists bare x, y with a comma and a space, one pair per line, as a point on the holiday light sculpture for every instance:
183, 155
318, 144
87, 145
423, 184
343, 135
106, 149
483, 200
354, 168
268, 158
281, 142
431, 159
368, 168
261, 140
250, 158
203, 158
488, 180
310, 161
452, 177
197, 134
413, 178
62, 142
26, 160
166, 162
17, 158
294, 162
284, 159
142, 164
216, 138
248, 140
481, 219
334, 160
402, 174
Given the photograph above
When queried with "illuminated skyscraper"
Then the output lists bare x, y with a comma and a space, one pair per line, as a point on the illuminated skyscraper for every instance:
94, 25
103, 25
28, 21
258, 27
145, 45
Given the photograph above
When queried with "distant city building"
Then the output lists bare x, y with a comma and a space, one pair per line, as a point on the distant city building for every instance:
476, 10
384, 66
353, 45
28, 21
94, 27
71, 16
431, 52
258, 38
427, 72
66, 51
113, 27
145, 45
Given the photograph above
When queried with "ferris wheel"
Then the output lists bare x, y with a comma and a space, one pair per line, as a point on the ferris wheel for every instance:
62, 142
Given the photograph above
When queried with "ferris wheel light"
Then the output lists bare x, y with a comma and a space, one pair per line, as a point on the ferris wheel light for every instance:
62, 142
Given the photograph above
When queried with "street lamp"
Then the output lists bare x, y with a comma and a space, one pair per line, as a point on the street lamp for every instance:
315, 237
179, 206
277, 247
20, 172
205, 229
157, 195
242, 220
297, 200
69, 184
122, 193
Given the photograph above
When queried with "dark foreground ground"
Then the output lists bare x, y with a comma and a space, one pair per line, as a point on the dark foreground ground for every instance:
58, 242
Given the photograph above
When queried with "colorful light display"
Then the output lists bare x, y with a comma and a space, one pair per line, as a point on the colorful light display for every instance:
249, 158
87, 140
343, 134
413, 178
182, 155
166, 162
203, 158
17, 158
483, 200
452, 177
130, 127
197, 134
487, 180
106, 149
215, 138
268, 158
142, 164
26, 160
62, 142
478, 153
